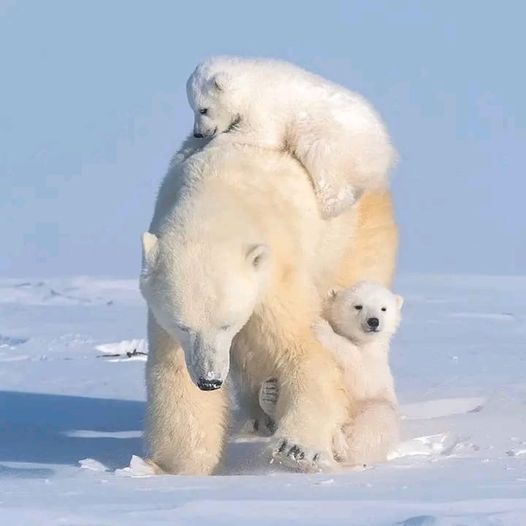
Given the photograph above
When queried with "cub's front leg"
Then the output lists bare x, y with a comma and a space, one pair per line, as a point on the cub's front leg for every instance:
343, 163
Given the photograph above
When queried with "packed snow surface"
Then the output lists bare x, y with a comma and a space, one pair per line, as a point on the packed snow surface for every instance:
72, 356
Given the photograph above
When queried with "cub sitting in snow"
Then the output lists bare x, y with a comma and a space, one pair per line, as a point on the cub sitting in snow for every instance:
335, 133
357, 329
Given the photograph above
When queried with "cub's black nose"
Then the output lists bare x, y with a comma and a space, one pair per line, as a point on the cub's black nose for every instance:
209, 385
373, 323
198, 135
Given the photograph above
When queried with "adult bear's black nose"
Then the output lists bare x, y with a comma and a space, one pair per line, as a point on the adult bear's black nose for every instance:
198, 135
209, 385
373, 323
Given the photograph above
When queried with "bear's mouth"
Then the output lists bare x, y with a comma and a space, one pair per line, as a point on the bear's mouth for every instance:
199, 135
233, 125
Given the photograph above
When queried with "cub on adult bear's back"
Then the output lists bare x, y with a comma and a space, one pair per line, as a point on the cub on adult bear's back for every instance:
335, 133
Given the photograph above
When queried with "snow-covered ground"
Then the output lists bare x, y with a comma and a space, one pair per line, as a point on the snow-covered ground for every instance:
72, 403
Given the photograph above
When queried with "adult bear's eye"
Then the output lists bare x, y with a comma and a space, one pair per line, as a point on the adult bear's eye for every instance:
384, 309
203, 111
358, 307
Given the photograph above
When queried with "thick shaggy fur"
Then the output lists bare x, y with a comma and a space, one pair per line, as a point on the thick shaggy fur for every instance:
335, 133
238, 259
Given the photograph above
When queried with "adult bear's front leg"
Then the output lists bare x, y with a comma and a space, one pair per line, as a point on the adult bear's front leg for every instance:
185, 427
311, 403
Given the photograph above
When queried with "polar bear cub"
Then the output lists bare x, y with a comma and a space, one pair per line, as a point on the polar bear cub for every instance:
357, 328
335, 133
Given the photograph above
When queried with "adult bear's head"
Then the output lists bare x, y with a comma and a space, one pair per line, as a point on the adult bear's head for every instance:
202, 278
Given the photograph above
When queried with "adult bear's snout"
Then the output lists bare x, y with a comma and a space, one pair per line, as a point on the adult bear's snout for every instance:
208, 363
209, 385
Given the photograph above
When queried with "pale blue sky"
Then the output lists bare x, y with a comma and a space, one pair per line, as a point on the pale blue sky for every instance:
92, 105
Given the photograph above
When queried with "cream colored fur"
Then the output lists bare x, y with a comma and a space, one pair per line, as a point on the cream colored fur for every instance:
372, 427
335, 133
185, 427
238, 256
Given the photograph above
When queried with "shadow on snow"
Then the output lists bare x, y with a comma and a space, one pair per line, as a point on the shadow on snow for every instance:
35, 427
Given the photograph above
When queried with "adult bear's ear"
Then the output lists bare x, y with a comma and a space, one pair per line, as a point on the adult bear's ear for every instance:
399, 302
221, 81
258, 255
150, 247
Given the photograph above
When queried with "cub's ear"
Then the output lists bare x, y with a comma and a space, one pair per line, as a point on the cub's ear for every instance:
150, 247
258, 255
399, 302
221, 81
333, 292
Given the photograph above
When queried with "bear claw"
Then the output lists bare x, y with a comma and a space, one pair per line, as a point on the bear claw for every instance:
296, 457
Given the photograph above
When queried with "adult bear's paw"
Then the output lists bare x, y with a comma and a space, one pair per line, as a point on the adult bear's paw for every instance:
293, 455
264, 426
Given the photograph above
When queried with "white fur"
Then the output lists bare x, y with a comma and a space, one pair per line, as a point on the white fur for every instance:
236, 264
373, 426
335, 133
232, 252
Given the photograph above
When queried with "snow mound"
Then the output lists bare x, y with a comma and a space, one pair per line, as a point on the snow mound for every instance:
92, 465
138, 468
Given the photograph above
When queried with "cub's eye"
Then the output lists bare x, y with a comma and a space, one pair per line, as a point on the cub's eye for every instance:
358, 307
384, 309
203, 111
225, 327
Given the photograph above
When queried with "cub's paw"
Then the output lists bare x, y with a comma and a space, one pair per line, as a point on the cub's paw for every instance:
335, 203
295, 456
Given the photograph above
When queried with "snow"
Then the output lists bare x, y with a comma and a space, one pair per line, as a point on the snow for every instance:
72, 404
92, 464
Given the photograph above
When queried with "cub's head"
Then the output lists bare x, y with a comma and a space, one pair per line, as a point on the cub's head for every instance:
202, 294
365, 311
215, 95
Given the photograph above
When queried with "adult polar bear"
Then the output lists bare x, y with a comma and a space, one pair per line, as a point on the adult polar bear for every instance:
235, 266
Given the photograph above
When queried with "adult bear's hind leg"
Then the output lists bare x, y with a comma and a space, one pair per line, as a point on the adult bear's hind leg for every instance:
248, 371
372, 254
